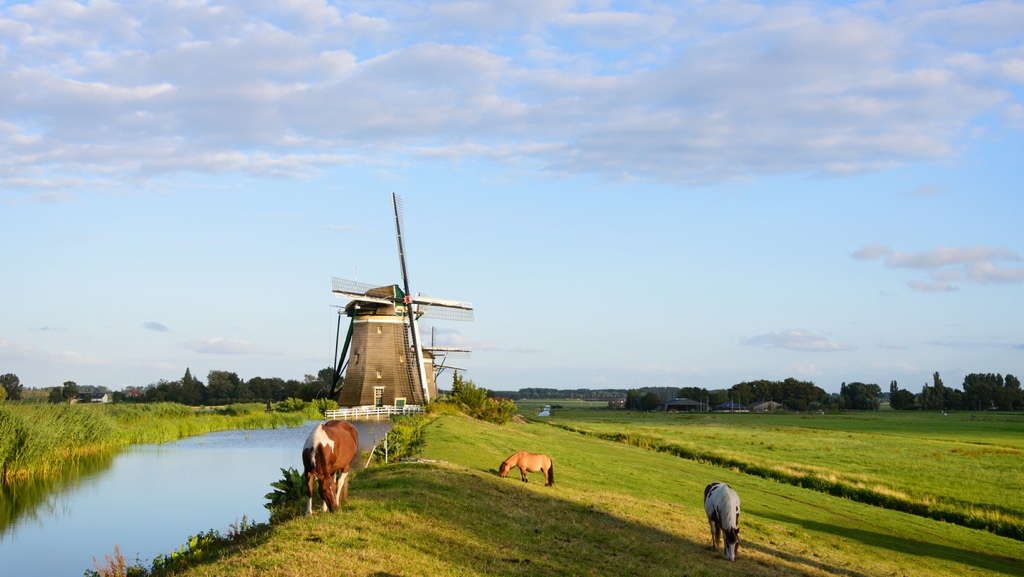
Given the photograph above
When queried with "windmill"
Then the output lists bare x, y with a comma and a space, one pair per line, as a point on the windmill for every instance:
383, 358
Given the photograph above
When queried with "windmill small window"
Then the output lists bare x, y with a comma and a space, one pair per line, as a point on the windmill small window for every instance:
379, 375
378, 396
380, 329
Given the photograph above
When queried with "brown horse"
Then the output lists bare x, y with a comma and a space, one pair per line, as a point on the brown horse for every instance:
330, 448
529, 463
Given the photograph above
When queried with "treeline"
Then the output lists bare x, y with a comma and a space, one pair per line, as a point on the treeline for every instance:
221, 388
981, 392
794, 394
544, 393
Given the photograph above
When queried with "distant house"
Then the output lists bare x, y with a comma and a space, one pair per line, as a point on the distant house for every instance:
766, 407
93, 398
679, 404
731, 407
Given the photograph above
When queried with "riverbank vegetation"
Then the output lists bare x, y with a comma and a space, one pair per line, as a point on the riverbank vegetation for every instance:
40, 439
616, 509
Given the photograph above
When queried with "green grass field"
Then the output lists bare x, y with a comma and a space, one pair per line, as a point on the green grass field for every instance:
615, 509
960, 467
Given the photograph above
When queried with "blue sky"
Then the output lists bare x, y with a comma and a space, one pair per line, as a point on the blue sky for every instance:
630, 193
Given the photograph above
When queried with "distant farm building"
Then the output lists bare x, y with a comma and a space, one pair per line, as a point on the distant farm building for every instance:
731, 407
92, 398
679, 405
766, 407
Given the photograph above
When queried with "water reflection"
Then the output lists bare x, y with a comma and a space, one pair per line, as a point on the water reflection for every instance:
34, 498
149, 498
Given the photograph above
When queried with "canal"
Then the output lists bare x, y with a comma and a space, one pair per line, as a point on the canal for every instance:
148, 499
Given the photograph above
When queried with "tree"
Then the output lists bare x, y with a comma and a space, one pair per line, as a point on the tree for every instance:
12, 386
633, 400
693, 393
221, 387
193, 392
937, 400
649, 401
901, 399
860, 396
320, 384
64, 394
1014, 395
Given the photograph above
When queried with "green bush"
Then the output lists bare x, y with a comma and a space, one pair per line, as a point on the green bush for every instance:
477, 403
324, 405
288, 493
291, 405
404, 440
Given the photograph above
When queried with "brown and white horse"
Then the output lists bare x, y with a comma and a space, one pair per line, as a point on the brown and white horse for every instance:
330, 448
529, 462
722, 505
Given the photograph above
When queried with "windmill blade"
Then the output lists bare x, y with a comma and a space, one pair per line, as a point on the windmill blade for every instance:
444, 313
356, 291
448, 351
444, 309
396, 202
346, 286
425, 300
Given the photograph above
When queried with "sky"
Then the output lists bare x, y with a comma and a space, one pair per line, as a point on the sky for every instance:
631, 194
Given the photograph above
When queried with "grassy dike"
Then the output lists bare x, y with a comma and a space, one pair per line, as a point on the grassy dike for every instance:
615, 509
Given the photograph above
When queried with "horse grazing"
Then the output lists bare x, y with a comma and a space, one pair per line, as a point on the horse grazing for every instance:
722, 505
529, 463
330, 448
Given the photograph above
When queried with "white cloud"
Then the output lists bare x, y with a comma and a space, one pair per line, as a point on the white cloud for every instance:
15, 352
796, 340
871, 252
664, 92
220, 346
949, 263
948, 256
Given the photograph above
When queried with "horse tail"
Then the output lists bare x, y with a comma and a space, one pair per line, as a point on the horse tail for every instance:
551, 473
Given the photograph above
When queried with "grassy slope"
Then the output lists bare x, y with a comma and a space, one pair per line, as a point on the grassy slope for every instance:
614, 510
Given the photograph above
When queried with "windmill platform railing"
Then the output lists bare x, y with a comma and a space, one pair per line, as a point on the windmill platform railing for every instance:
371, 413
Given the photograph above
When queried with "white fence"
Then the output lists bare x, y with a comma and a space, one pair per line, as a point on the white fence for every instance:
374, 413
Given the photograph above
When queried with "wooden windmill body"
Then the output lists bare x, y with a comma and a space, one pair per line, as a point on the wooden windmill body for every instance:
383, 359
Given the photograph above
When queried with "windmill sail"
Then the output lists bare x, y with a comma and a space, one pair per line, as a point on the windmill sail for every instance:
396, 201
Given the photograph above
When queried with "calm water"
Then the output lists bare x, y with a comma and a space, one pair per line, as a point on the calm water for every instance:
153, 497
